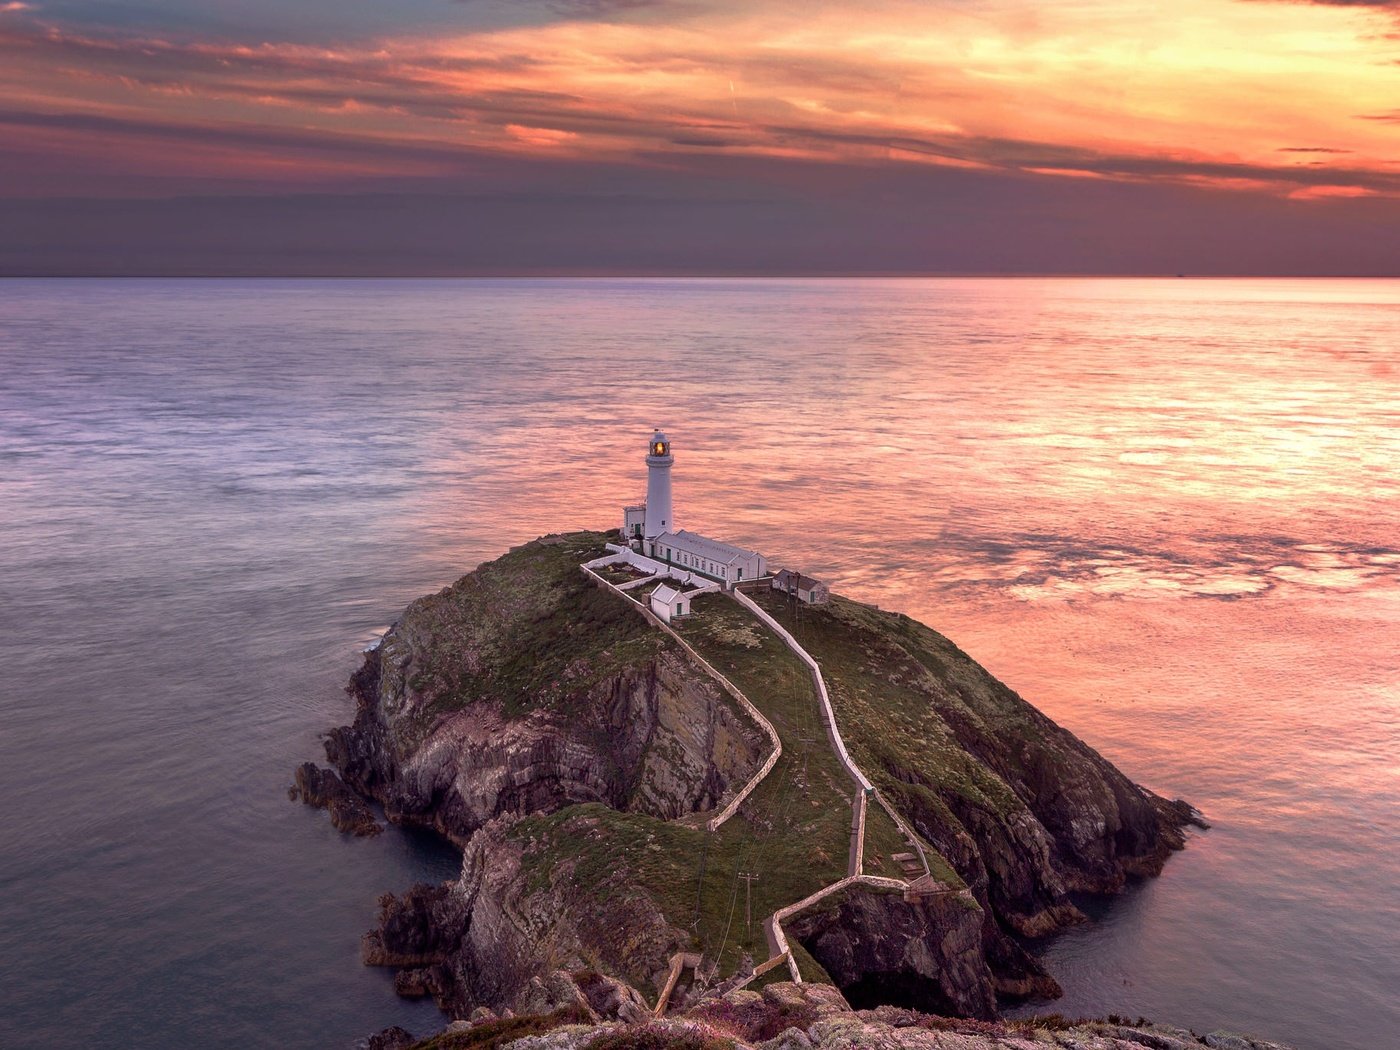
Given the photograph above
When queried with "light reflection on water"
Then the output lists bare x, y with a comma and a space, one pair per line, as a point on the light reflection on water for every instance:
1164, 511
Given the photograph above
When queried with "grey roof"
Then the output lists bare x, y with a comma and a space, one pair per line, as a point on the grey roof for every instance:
714, 550
665, 594
791, 576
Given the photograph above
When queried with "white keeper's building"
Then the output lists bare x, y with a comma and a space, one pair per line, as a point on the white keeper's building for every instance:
651, 528
668, 603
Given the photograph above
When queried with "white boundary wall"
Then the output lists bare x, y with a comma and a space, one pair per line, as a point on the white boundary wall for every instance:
773, 925
650, 566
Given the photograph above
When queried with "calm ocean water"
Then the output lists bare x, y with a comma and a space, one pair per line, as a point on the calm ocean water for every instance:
1165, 511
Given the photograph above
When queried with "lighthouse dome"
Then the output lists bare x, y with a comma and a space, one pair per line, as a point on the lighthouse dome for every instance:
659, 445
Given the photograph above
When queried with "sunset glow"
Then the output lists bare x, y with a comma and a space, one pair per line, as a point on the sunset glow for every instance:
1289, 98
1287, 102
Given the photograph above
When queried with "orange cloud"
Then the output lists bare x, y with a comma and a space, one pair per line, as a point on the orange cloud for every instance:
1208, 92
547, 137
1314, 193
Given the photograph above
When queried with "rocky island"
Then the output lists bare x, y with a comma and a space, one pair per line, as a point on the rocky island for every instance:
660, 827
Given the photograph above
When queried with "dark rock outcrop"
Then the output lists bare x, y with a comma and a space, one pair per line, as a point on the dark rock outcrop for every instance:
394, 1038
521, 689
322, 789
928, 956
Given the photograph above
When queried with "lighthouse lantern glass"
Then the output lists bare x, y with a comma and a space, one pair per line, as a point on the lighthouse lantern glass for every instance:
658, 448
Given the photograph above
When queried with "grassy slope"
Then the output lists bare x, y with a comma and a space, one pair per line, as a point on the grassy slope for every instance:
888, 677
527, 630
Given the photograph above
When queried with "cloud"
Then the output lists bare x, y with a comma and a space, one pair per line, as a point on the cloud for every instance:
546, 137
1325, 191
807, 113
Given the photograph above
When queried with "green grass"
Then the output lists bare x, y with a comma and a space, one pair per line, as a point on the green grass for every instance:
527, 630
894, 684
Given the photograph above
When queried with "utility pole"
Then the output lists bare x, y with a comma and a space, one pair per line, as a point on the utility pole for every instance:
748, 877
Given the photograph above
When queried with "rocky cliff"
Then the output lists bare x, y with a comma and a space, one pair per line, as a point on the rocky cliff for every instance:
574, 752
797, 1017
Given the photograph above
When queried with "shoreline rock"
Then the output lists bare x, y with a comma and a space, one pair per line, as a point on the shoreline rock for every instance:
323, 789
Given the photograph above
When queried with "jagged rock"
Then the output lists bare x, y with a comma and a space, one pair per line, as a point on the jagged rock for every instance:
482, 1014
812, 1017
322, 789
422, 982
1235, 1041
928, 957
1153, 1039
570, 1038
609, 997
633, 1013
419, 928
792, 1039
555, 992
394, 1038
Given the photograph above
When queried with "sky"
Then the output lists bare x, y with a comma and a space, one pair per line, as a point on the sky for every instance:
699, 136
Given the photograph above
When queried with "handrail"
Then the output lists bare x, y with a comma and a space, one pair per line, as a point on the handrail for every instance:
829, 717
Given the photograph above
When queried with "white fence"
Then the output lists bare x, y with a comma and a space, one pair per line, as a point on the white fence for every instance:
829, 717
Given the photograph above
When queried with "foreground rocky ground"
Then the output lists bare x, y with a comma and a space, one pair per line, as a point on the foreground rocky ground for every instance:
792, 1017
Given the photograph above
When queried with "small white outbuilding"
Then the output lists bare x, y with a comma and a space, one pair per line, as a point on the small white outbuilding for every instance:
804, 588
668, 603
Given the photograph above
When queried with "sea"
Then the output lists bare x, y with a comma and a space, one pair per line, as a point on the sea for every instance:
1167, 512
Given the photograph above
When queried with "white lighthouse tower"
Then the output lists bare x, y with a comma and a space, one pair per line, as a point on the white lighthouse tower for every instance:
656, 548
659, 460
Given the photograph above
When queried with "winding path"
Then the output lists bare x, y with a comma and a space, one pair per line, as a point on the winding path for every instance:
779, 949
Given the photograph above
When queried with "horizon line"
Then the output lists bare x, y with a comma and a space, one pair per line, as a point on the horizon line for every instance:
700, 275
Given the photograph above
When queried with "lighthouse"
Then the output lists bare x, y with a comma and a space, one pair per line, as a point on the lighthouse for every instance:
656, 547
658, 513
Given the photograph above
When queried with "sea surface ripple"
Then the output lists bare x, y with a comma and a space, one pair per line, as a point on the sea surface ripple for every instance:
1164, 511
